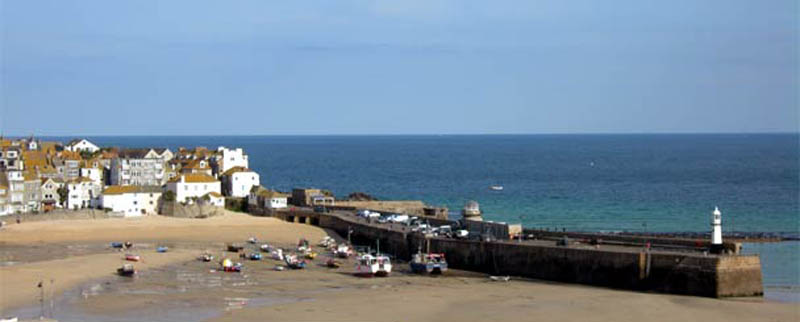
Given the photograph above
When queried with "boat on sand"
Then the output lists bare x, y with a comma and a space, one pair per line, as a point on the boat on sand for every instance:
126, 270
368, 266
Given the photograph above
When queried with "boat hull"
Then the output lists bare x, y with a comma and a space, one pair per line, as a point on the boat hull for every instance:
428, 268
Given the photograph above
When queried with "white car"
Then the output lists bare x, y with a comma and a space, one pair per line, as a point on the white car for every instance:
398, 219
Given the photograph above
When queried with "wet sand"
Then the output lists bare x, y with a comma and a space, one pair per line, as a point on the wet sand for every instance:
174, 286
28, 249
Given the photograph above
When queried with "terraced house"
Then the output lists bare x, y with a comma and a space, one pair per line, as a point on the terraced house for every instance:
189, 187
138, 167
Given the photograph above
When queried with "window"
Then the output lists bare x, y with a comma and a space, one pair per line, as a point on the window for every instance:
186, 187
135, 202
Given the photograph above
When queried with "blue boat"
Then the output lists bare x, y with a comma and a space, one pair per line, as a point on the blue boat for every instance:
255, 256
162, 249
428, 263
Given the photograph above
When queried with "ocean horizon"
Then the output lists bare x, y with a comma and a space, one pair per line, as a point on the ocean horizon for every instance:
608, 182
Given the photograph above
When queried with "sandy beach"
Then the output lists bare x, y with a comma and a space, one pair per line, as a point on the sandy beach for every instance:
174, 286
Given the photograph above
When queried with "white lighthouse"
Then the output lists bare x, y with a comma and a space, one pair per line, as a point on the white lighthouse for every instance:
716, 230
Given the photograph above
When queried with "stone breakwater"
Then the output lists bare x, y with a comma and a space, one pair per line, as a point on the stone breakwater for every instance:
677, 272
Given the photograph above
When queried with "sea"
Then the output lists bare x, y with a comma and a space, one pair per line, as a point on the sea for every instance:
611, 183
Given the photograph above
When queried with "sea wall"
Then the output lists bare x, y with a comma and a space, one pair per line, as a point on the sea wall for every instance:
175, 209
684, 243
689, 273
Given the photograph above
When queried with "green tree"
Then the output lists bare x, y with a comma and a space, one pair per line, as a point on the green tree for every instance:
168, 196
63, 194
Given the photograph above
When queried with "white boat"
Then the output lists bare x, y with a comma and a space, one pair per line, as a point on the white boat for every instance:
368, 265
277, 254
496, 188
343, 251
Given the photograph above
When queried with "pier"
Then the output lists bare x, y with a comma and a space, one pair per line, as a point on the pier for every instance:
669, 265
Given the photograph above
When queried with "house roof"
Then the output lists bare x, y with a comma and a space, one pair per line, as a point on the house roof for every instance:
48, 147
118, 190
109, 154
133, 153
80, 179
30, 175
56, 180
35, 159
214, 194
195, 164
76, 141
69, 155
269, 194
236, 169
194, 178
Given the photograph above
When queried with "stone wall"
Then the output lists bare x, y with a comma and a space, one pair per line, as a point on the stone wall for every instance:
175, 209
690, 273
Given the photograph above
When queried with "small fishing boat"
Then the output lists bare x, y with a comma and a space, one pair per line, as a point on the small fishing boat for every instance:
277, 254
496, 188
132, 258
303, 245
266, 248
255, 256
368, 266
428, 263
116, 245
162, 249
126, 270
279, 268
311, 255
294, 263
229, 266
326, 242
14, 319
252, 240
235, 248
343, 251
206, 257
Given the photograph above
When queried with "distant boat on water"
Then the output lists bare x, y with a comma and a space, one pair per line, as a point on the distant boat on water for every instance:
496, 188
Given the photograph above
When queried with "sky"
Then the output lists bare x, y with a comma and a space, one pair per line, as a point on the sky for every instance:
142, 67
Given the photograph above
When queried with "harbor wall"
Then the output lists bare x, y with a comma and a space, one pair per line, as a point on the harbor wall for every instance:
686, 243
689, 273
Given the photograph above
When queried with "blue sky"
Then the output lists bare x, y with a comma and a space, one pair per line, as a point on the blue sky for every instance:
398, 67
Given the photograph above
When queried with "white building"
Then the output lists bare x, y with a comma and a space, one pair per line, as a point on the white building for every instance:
49, 189
3, 195
160, 153
193, 186
265, 198
94, 174
138, 167
131, 200
237, 181
83, 193
225, 159
214, 199
16, 191
81, 145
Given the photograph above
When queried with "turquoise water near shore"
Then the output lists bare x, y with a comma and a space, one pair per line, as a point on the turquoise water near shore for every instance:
665, 183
